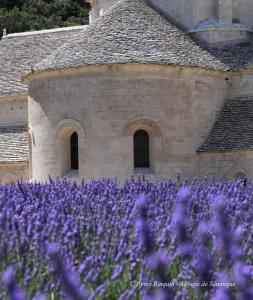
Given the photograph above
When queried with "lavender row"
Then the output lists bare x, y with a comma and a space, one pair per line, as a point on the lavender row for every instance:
138, 240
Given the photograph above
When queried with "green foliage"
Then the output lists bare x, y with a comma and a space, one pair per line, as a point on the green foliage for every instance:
27, 15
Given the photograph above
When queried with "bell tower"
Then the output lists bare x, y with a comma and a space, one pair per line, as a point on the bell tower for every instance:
225, 11
214, 22
223, 28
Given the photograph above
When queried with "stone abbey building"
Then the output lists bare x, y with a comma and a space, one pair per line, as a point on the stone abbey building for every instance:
159, 87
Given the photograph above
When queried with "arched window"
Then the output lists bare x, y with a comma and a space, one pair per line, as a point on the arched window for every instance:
238, 174
70, 138
74, 151
141, 149
9, 178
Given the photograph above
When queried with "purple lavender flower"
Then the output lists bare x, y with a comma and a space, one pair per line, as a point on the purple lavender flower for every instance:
203, 262
158, 262
204, 232
242, 275
143, 229
39, 296
102, 288
180, 223
147, 296
69, 284
95, 225
222, 227
241, 271
236, 250
13, 289
118, 272
222, 292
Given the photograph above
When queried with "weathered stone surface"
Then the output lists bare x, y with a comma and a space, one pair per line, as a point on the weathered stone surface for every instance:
11, 172
13, 111
176, 106
131, 70
131, 33
134, 33
14, 144
19, 52
233, 129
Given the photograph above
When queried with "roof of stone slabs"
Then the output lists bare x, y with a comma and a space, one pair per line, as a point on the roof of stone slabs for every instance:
233, 129
14, 144
132, 32
20, 52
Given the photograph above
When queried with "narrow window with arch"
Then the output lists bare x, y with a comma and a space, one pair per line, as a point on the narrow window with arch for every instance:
141, 149
74, 151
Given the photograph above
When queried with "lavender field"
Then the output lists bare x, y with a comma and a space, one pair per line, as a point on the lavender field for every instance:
139, 240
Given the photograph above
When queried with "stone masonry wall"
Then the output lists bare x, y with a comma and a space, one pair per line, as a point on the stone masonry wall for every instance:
243, 10
241, 84
182, 102
13, 111
10, 173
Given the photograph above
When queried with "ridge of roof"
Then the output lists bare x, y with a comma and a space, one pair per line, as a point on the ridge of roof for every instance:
44, 31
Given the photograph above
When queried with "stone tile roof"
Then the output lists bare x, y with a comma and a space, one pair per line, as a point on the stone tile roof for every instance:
233, 129
14, 144
131, 32
19, 52
235, 57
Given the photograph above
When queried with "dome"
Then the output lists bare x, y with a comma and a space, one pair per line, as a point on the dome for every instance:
131, 32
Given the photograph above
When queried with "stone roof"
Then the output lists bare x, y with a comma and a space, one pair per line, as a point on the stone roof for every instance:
131, 31
233, 129
19, 52
14, 144
235, 57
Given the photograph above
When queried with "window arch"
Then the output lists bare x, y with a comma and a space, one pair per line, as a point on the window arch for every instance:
141, 149
9, 178
74, 157
68, 152
70, 138
237, 173
144, 131
145, 123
